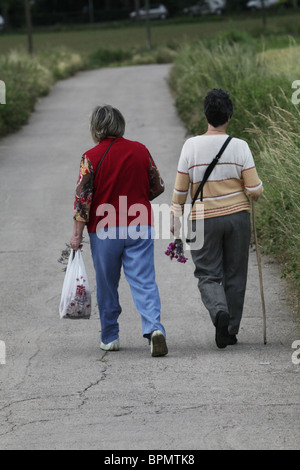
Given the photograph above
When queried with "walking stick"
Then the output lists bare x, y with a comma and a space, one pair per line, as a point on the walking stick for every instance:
260, 273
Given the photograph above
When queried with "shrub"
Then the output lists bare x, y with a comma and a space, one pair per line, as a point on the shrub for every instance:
61, 62
112, 57
106, 57
28, 79
233, 67
278, 144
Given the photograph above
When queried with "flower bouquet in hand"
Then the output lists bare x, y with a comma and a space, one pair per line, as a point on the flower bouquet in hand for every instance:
175, 251
64, 257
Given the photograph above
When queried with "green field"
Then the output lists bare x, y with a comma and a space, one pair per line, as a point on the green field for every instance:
127, 36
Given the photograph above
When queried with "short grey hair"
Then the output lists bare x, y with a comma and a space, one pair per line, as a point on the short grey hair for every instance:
106, 121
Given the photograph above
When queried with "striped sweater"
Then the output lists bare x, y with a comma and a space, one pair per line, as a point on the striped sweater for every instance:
226, 190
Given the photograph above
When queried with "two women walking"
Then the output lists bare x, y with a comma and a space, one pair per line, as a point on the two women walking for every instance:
117, 180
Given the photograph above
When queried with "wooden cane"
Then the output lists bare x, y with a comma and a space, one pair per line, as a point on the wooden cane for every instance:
260, 272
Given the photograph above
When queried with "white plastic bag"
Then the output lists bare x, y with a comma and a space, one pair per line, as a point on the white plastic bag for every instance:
76, 295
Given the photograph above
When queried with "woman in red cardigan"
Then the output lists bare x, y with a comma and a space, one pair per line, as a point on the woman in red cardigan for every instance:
117, 179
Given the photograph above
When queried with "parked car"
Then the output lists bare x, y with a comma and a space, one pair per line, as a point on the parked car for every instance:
156, 12
206, 7
2, 23
257, 4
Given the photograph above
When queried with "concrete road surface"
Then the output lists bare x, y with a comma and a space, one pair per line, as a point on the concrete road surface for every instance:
57, 389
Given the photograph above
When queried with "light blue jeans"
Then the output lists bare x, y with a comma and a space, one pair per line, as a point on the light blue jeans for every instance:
137, 258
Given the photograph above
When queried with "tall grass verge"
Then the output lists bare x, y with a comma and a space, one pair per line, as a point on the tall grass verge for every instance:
266, 118
279, 150
28, 79
136, 56
222, 64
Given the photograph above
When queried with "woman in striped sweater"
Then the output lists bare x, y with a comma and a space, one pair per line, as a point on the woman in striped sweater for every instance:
222, 263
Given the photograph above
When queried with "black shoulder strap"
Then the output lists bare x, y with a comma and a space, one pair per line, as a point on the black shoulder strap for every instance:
98, 167
209, 171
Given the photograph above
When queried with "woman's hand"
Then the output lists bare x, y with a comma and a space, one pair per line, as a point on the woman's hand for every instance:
76, 240
175, 226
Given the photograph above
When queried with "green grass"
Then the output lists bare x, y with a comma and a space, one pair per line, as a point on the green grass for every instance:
27, 79
278, 145
231, 66
85, 40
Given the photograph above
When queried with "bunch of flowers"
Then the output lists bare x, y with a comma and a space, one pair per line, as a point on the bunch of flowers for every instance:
175, 250
64, 257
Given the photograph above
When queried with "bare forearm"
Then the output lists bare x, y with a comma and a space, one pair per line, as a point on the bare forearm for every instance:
78, 228
77, 237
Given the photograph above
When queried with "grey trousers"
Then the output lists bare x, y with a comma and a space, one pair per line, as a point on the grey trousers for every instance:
222, 266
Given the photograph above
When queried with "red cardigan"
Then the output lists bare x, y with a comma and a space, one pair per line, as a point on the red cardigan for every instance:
125, 171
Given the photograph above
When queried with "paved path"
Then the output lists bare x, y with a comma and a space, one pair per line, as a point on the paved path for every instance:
57, 390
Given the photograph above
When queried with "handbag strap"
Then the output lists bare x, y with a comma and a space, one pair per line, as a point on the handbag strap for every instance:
209, 171
100, 163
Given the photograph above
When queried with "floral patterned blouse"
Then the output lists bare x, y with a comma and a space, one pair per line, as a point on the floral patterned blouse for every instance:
84, 191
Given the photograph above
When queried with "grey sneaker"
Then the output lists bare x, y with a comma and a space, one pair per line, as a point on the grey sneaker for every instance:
113, 346
158, 344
